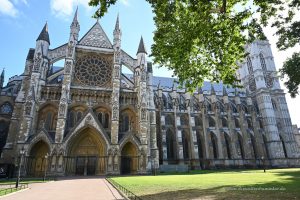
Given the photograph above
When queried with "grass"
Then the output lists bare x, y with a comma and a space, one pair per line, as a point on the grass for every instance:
23, 180
214, 184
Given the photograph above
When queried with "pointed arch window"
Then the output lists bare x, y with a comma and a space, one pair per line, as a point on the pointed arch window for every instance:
100, 117
234, 108
48, 123
249, 122
261, 125
198, 121
274, 104
241, 146
182, 104
249, 65
253, 144
256, 107
214, 143
262, 62
168, 120
211, 122
266, 147
236, 122
79, 115
170, 145
106, 120
224, 122
165, 101
71, 119
125, 123
200, 147
185, 144
227, 143
283, 146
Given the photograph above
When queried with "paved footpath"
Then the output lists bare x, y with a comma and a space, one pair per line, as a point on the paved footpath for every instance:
94, 188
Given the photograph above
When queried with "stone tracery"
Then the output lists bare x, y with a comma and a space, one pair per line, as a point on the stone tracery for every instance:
93, 70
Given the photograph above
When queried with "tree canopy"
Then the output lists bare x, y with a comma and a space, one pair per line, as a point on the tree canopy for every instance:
205, 39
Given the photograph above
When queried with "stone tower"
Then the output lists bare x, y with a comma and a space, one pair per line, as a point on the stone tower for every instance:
258, 74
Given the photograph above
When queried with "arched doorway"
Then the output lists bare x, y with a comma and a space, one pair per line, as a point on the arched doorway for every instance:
87, 154
129, 159
37, 160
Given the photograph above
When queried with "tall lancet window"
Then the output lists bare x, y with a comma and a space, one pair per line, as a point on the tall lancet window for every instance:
267, 75
249, 65
262, 62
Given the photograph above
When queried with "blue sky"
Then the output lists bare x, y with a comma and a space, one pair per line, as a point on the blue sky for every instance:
21, 21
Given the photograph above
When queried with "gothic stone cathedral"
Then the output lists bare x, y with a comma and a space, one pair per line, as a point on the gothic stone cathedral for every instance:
88, 118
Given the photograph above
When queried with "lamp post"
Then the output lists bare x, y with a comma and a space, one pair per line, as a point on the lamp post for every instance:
46, 162
263, 160
22, 152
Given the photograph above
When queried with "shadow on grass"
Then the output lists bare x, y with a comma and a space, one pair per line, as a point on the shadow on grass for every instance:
289, 188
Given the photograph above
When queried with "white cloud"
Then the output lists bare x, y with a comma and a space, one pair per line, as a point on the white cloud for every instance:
125, 2
7, 8
65, 8
20, 1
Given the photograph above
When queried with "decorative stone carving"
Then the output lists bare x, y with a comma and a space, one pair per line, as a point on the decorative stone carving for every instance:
62, 110
115, 113
68, 67
37, 62
117, 57
117, 71
28, 106
269, 80
70, 48
143, 113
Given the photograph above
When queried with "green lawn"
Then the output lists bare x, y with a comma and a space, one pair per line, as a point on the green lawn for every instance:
213, 184
31, 180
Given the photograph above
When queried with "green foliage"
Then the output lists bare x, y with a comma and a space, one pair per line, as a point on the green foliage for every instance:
291, 69
204, 39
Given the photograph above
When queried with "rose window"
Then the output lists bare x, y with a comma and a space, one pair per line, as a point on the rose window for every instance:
93, 71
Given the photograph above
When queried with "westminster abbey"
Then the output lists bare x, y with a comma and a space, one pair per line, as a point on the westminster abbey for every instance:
89, 118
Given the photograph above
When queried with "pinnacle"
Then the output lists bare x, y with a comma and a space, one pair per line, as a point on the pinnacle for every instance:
141, 48
44, 35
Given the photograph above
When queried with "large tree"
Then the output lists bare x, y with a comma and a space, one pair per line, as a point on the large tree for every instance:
204, 39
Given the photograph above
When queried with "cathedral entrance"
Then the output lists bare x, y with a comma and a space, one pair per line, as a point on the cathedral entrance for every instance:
37, 161
129, 159
87, 155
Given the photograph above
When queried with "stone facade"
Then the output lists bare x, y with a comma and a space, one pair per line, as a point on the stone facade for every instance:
89, 118
296, 132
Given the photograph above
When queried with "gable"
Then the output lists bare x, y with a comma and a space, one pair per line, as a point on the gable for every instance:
96, 37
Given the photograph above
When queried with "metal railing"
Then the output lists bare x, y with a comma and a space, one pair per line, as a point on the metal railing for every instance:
130, 195
9, 188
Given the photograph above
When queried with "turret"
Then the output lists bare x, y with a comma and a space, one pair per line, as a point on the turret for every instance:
141, 53
43, 41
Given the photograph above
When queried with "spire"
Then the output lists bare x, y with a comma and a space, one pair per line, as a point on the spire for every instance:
224, 91
212, 89
117, 26
2, 78
141, 48
2, 74
44, 34
75, 19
